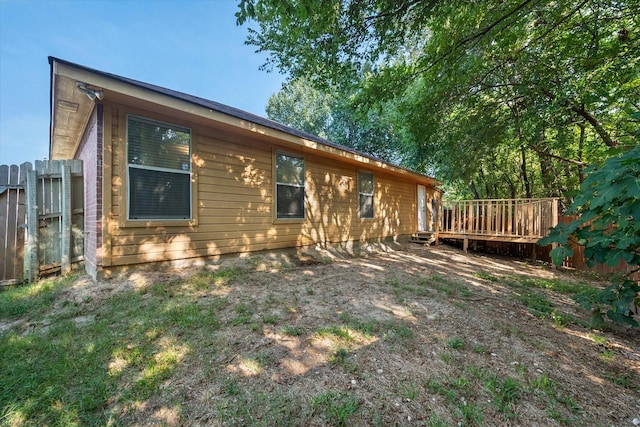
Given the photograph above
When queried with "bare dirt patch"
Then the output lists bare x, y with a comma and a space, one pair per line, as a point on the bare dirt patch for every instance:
415, 336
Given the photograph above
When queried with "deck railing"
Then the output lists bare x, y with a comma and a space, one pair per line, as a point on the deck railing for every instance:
523, 220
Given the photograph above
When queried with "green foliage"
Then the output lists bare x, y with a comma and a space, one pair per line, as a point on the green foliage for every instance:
341, 358
609, 229
555, 285
485, 276
291, 330
272, 319
505, 393
525, 94
206, 279
67, 373
337, 408
614, 302
538, 304
456, 342
341, 332
609, 206
299, 105
31, 300
244, 315
480, 349
335, 115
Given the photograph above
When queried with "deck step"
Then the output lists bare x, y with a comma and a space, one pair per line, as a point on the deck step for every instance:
426, 237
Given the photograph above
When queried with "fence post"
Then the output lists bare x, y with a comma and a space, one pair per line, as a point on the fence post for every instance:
31, 248
65, 261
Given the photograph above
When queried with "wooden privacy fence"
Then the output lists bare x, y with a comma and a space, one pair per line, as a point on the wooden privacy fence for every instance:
41, 218
506, 220
578, 261
12, 221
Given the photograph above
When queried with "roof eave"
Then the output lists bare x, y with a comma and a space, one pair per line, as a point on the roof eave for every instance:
112, 84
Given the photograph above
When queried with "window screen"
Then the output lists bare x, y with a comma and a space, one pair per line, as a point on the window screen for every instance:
365, 190
289, 186
159, 170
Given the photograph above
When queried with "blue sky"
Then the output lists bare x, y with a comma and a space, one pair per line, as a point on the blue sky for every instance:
192, 46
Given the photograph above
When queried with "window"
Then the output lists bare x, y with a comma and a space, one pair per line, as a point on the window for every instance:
365, 191
158, 170
289, 186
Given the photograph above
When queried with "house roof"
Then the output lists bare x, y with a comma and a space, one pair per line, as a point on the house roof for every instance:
71, 109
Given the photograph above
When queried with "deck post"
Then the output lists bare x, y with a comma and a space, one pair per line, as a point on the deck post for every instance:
465, 244
533, 252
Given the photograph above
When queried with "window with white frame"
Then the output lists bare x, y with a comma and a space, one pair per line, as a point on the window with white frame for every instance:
289, 186
365, 192
158, 170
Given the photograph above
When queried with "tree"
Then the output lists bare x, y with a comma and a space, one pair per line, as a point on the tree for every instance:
609, 228
510, 97
333, 116
299, 105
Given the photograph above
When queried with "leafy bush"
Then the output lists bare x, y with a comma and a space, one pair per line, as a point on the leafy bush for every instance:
609, 230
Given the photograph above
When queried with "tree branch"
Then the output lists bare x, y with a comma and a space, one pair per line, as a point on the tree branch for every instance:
553, 156
402, 8
600, 130
476, 36
490, 27
597, 126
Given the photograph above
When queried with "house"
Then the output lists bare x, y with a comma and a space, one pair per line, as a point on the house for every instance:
172, 177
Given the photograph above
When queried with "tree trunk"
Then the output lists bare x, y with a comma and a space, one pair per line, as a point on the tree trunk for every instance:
523, 165
512, 187
547, 173
523, 168
580, 149
474, 190
487, 190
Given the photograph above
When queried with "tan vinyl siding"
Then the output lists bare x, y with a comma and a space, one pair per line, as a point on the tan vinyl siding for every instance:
234, 181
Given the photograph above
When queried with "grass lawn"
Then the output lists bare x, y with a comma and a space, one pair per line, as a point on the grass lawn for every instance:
419, 336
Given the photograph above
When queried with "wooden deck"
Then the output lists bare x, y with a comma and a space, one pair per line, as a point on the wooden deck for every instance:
505, 220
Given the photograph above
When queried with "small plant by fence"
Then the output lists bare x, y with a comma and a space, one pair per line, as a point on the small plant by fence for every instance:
41, 218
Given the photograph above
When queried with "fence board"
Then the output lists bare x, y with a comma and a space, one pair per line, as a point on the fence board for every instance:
11, 213
4, 223
22, 212
12, 179
31, 253
35, 230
